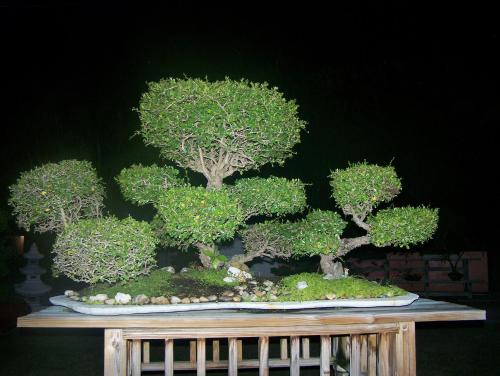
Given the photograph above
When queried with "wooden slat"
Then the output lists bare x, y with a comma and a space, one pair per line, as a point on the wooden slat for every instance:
306, 353
355, 358
372, 355
239, 343
364, 354
325, 355
168, 364
201, 357
405, 350
384, 365
115, 353
146, 352
136, 357
283, 348
294, 356
192, 348
264, 356
129, 357
421, 310
215, 350
233, 357
183, 333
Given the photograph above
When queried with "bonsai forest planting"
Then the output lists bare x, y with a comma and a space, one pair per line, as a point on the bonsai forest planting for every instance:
217, 129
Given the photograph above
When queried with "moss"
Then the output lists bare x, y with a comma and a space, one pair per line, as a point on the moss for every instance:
343, 288
210, 277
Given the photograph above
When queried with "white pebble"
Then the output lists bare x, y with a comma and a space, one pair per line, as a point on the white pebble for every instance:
301, 285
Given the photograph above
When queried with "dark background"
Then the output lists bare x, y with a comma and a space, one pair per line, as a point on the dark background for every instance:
413, 84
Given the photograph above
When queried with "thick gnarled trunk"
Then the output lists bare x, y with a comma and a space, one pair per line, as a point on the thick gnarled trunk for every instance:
330, 266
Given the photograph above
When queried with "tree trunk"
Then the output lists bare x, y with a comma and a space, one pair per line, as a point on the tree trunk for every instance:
214, 182
329, 266
204, 259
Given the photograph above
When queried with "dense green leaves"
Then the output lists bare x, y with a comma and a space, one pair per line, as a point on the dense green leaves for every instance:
48, 196
144, 184
402, 227
247, 124
271, 196
361, 187
196, 215
105, 250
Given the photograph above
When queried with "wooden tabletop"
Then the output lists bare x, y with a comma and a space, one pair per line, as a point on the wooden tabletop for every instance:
419, 311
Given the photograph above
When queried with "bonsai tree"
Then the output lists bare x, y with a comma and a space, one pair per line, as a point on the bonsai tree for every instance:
54, 195
216, 129
358, 190
105, 250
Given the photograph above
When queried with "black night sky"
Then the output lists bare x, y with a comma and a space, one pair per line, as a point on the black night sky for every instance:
414, 85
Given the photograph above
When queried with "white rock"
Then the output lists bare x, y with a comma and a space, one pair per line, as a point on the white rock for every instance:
229, 279
122, 298
184, 270
233, 271
301, 285
169, 269
175, 300
101, 297
69, 293
110, 301
268, 283
328, 276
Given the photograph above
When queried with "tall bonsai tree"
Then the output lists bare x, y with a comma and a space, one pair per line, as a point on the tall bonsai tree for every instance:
216, 129
358, 191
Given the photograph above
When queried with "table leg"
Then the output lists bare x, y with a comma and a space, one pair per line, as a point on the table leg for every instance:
406, 350
115, 353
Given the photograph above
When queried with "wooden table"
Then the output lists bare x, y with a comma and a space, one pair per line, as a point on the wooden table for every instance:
382, 340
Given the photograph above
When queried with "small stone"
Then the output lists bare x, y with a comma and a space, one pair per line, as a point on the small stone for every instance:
236, 298
175, 300
203, 299
252, 282
84, 299
229, 279
110, 301
226, 299
301, 285
328, 276
331, 296
253, 297
194, 300
244, 294
160, 300
228, 293
273, 297
184, 270
239, 265
259, 293
70, 293
212, 298
268, 283
93, 299
185, 301
122, 298
169, 269
233, 271
75, 298
141, 299
101, 297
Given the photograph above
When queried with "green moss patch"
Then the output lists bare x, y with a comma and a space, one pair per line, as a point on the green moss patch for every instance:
343, 288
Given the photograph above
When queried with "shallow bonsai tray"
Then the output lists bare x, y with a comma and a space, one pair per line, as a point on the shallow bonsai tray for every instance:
103, 309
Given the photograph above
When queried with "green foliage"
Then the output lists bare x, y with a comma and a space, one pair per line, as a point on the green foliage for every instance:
343, 288
158, 226
105, 250
54, 193
250, 122
271, 196
401, 227
361, 187
197, 215
319, 233
144, 184
210, 277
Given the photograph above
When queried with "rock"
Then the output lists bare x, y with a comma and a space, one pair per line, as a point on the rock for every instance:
141, 299
184, 270
75, 298
244, 294
236, 298
253, 297
194, 300
212, 298
84, 299
70, 293
226, 299
175, 300
203, 299
228, 293
252, 282
273, 297
122, 298
268, 283
160, 300
259, 293
229, 279
110, 301
101, 297
239, 265
238, 274
301, 285
328, 276
185, 301
331, 296
169, 269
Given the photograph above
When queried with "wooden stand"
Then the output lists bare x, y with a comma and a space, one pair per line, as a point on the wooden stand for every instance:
382, 340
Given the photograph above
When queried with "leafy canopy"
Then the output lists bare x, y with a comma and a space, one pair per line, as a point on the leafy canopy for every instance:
105, 250
196, 215
144, 184
226, 125
48, 196
271, 196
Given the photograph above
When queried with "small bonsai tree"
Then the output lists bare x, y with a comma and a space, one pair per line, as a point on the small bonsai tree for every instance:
54, 195
105, 250
216, 129
358, 190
